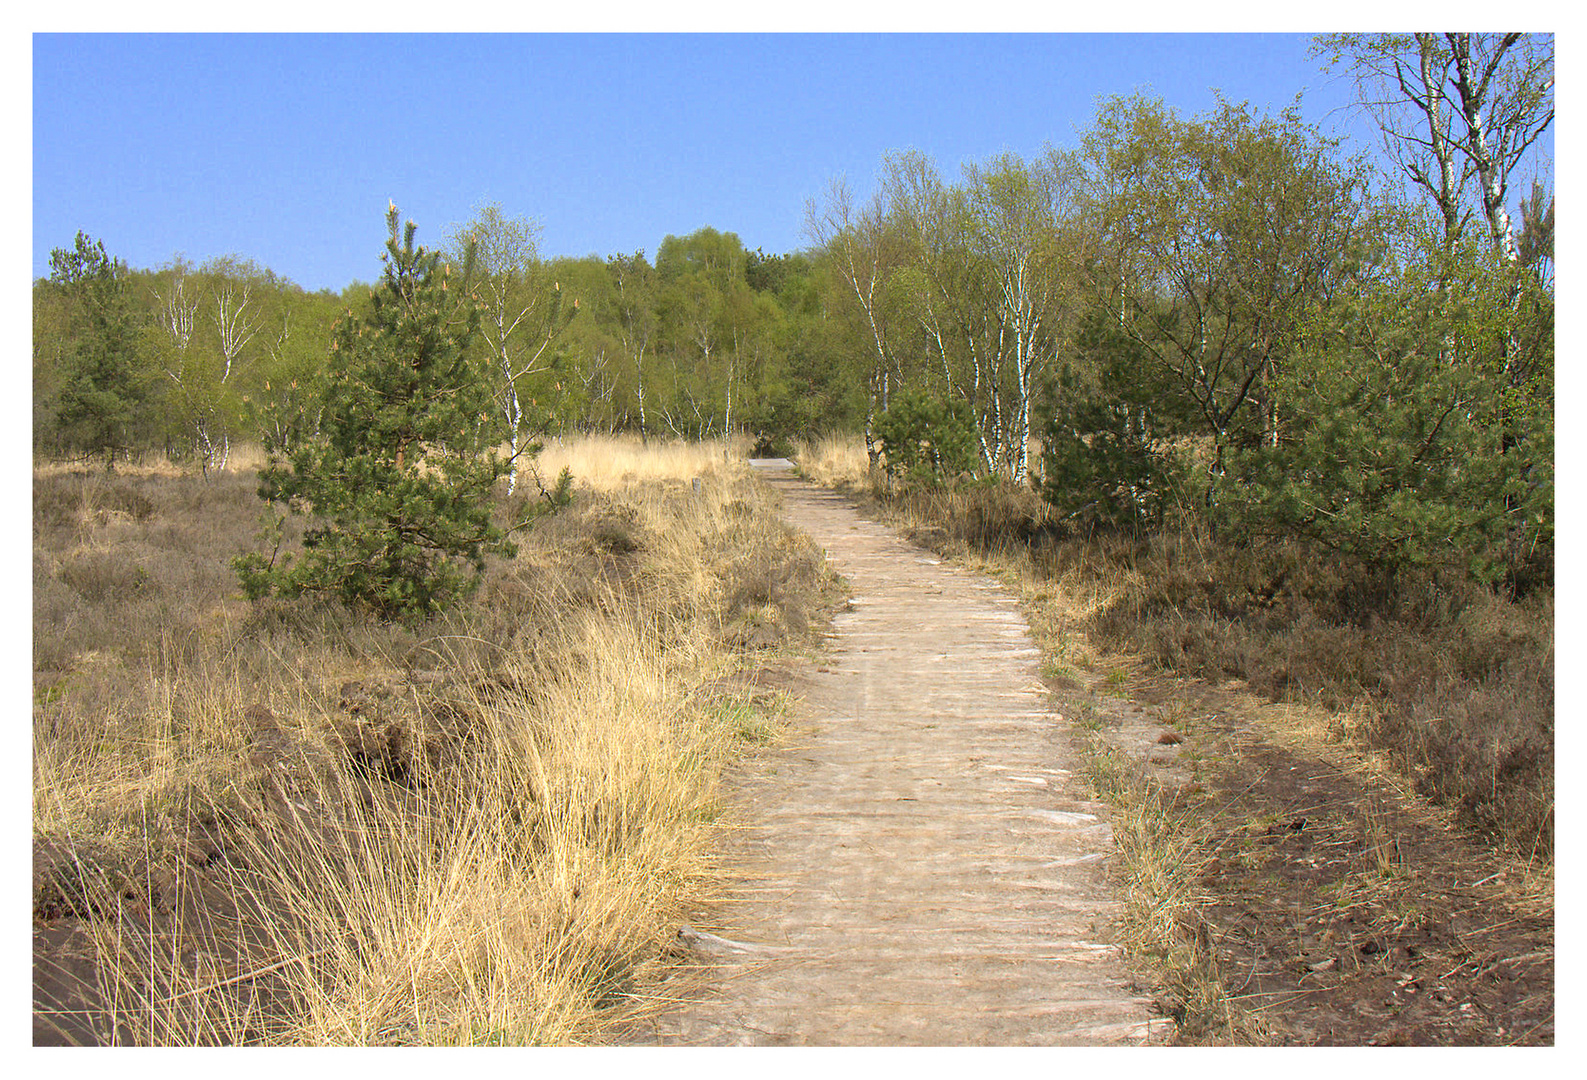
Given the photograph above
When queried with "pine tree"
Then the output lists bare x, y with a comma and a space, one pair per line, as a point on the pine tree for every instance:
102, 384
400, 483
927, 440
1394, 450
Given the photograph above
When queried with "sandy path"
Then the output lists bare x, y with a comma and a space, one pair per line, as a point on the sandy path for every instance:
918, 865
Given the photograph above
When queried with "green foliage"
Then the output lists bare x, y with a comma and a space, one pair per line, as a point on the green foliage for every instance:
102, 381
1216, 238
201, 340
1408, 441
925, 439
1388, 465
1218, 298
1105, 457
717, 256
1458, 113
399, 483
287, 396
525, 313
774, 273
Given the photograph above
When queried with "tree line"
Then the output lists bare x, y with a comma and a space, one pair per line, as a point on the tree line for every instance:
1221, 316
187, 359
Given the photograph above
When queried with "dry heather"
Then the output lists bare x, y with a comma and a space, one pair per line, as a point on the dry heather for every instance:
282, 823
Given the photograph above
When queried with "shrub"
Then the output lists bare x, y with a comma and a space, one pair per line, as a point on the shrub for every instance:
1391, 464
926, 439
1105, 457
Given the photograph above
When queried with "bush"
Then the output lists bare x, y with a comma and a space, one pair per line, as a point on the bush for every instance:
926, 439
1105, 460
1390, 464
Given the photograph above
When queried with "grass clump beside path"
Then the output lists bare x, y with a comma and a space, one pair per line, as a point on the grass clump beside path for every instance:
282, 823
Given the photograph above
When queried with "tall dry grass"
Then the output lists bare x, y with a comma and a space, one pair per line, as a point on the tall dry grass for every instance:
832, 460
281, 823
606, 462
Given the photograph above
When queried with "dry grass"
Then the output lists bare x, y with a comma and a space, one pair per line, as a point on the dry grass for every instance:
513, 898
283, 824
608, 462
1163, 854
832, 460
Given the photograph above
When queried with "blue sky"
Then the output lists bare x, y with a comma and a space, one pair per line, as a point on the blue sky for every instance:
285, 148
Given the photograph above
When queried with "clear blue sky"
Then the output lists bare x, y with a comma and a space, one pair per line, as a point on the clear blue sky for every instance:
285, 148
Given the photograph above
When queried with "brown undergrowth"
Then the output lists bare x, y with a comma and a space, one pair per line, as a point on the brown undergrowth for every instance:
1334, 799
283, 823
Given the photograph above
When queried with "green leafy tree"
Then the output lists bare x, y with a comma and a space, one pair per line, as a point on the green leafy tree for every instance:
965, 290
633, 311
400, 482
525, 312
199, 340
699, 276
287, 399
588, 380
1021, 231
1217, 238
52, 346
1460, 113
1388, 467
861, 250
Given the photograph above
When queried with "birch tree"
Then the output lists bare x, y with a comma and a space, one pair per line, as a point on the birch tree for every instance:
634, 284
204, 322
235, 317
863, 254
286, 395
1458, 112
701, 305
523, 316
1019, 227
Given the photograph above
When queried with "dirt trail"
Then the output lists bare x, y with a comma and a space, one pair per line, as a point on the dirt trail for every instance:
918, 865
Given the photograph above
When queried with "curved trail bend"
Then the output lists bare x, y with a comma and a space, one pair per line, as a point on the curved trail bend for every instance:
916, 866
